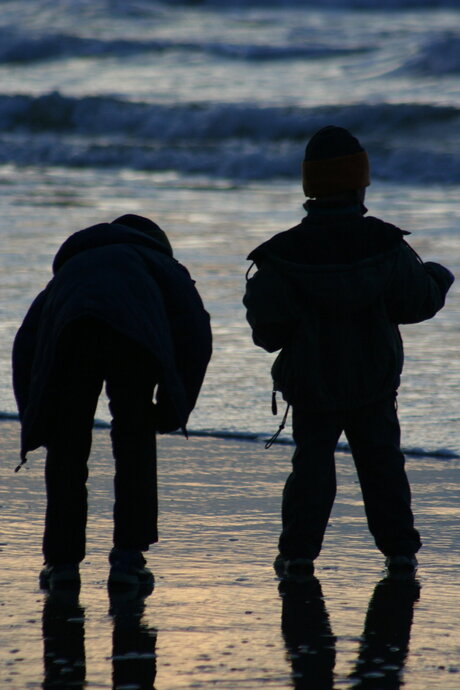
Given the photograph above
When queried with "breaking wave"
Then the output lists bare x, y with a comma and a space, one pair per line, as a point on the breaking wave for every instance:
438, 57
407, 142
28, 48
106, 115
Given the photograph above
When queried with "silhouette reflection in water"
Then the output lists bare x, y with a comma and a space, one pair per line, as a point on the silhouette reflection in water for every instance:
384, 644
385, 641
63, 641
133, 642
133, 655
307, 634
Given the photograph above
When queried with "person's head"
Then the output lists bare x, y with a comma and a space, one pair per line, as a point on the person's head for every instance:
335, 166
147, 226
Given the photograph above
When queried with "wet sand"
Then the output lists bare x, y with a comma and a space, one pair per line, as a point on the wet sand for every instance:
216, 617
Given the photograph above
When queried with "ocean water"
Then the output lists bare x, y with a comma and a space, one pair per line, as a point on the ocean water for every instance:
196, 115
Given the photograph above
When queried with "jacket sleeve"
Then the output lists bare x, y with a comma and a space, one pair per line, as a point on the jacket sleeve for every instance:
270, 309
24, 347
418, 290
190, 328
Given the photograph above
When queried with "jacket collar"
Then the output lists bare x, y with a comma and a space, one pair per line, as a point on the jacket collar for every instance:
317, 209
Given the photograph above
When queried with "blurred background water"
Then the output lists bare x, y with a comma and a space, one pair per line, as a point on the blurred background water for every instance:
196, 115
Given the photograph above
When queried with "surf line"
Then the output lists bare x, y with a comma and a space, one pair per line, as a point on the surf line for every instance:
441, 453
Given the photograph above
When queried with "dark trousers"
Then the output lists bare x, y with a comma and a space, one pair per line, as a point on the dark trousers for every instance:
373, 434
88, 354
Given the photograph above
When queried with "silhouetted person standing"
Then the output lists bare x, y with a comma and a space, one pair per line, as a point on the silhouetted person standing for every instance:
330, 293
122, 310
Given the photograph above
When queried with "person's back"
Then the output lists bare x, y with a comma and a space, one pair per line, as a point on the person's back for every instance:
330, 294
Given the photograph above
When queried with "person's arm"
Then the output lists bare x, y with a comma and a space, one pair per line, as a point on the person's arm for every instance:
24, 351
270, 309
418, 290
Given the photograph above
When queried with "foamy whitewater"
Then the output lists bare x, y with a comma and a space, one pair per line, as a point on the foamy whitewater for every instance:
197, 115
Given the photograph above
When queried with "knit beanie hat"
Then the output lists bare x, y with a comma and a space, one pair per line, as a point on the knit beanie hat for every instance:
334, 162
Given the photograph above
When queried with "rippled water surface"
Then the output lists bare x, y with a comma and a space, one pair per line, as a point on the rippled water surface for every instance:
212, 228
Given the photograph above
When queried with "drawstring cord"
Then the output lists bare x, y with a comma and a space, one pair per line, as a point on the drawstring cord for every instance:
249, 270
23, 462
272, 440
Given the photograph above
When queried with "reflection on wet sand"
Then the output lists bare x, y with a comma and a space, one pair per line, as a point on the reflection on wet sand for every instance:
385, 640
63, 626
307, 634
133, 643
310, 642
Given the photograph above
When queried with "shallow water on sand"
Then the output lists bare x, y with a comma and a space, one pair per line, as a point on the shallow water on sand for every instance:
212, 229
216, 617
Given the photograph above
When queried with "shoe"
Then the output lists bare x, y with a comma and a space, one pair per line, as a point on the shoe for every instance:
401, 566
294, 569
60, 576
128, 570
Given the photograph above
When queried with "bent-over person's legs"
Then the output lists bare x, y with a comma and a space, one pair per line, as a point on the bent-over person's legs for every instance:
131, 376
75, 386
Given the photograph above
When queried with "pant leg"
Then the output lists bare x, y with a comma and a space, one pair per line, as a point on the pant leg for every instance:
131, 379
310, 489
374, 436
76, 385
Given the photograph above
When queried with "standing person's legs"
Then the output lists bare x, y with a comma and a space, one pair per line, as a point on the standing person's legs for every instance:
310, 489
131, 378
374, 436
75, 387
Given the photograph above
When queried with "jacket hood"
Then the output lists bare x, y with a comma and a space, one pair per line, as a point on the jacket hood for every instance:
104, 234
346, 272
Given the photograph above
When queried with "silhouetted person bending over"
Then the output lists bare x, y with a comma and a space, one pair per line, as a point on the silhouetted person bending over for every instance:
122, 310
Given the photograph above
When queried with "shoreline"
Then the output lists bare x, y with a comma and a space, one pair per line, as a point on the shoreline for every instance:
342, 447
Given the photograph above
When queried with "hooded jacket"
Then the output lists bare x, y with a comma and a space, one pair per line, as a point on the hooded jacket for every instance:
330, 294
128, 279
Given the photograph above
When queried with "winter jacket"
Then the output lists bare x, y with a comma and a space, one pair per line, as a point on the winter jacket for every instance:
128, 279
330, 294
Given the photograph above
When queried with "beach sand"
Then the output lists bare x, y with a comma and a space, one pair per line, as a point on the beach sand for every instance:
216, 617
